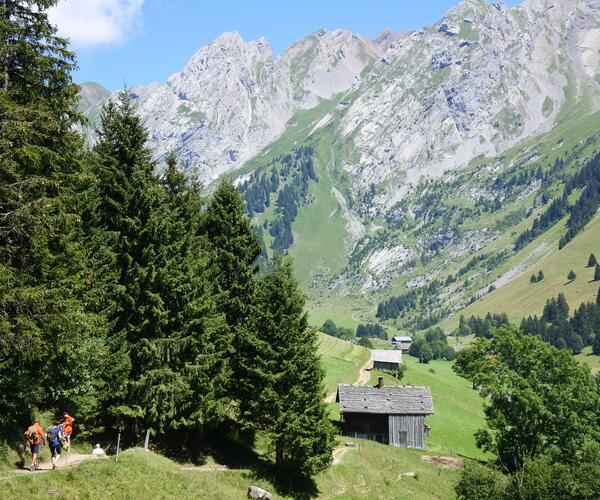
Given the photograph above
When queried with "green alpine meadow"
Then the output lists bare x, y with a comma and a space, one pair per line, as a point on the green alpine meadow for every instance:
302, 262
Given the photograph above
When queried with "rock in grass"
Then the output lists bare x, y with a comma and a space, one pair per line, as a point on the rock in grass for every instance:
257, 493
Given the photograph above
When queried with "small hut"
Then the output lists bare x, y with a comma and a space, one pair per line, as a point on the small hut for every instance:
386, 360
393, 415
401, 341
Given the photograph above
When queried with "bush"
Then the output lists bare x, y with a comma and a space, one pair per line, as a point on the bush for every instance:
365, 342
448, 353
478, 482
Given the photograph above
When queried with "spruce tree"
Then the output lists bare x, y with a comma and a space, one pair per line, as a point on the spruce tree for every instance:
540, 276
597, 273
188, 388
50, 341
281, 378
125, 237
592, 260
571, 276
234, 249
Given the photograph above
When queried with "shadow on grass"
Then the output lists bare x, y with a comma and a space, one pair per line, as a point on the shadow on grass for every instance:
284, 483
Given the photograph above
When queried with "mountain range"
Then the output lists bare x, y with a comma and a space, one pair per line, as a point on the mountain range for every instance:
389, 164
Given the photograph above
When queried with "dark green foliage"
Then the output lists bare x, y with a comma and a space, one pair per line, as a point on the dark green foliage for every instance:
434, 345
235, 248
448, 353
397, 306
483, 327
281, 378
371, 330
463, 327
588, 178
366, 342
51, 347
539, 401
556, 211
557, 329
330, 328
597, 272
540, 276
289, 179
571, 276
539, 479
480, 482
592, 261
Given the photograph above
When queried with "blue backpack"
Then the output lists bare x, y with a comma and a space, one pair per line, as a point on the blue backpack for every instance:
53, 435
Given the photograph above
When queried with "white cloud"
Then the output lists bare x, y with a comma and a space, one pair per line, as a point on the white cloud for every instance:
95, 22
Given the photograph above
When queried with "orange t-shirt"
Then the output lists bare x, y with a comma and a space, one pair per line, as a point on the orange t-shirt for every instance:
68, 424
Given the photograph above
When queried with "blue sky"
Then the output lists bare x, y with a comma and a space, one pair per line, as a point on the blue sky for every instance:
140, 41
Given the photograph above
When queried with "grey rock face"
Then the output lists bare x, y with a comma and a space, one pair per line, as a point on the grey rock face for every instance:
478, 82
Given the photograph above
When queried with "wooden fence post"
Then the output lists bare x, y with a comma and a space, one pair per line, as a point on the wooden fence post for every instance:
118, 446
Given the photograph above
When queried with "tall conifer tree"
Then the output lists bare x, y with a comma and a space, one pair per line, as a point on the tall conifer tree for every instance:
50, 341
281, 376
234, 249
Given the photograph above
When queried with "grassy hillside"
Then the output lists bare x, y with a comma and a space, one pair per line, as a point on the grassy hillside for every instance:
341, 360
368, 471
520, 298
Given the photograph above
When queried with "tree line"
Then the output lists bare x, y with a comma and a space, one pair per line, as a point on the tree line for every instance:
554, 326
581, 212
289, 179
128, 297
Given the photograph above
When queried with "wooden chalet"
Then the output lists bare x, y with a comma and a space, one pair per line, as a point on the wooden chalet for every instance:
403, 342
393, 415
386, 359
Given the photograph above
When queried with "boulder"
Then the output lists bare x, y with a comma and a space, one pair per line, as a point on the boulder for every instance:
257, 493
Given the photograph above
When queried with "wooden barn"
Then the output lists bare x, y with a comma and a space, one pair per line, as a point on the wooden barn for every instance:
386, 360
393, 415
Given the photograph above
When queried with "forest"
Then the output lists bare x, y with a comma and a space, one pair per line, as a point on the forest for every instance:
130, 298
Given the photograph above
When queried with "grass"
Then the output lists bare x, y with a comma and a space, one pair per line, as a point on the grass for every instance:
589, 359
341, 360
369, 470
458, 408
319, 234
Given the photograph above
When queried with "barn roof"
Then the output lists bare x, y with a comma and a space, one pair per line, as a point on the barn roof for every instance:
401, 338
386, 356
389, 400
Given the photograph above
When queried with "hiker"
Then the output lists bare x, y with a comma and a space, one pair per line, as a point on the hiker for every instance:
55, 437
34, 434
98, 452
67, 430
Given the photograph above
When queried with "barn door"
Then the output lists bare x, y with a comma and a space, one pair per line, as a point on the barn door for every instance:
403, 438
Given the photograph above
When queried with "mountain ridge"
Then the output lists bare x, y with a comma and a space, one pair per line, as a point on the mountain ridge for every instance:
413, 134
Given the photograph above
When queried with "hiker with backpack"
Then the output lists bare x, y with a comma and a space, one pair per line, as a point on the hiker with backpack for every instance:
55, 437
34, 434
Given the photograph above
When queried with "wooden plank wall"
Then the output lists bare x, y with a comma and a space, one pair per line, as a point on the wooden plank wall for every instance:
413, 425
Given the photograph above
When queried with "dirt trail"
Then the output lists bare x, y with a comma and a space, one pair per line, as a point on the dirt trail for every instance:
66, 460
364, 373
338, 453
